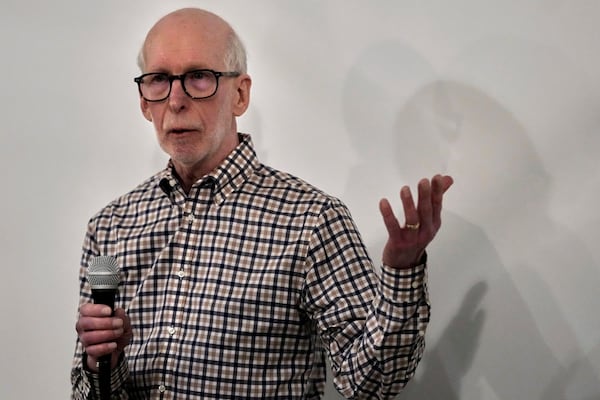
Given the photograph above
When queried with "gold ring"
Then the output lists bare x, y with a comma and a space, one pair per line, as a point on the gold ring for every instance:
413, 227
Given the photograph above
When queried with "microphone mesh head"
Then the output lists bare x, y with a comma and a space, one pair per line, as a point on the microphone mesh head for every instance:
103, 273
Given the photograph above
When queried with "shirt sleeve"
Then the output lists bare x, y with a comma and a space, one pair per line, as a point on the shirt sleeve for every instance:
85, 384
372, 327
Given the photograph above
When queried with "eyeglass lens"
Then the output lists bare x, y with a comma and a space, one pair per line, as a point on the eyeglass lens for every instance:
197, 84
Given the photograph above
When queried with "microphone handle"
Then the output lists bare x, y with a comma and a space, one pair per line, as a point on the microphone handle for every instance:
106, 297
104, 377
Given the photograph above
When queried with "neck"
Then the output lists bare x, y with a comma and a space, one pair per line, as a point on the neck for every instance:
187, 177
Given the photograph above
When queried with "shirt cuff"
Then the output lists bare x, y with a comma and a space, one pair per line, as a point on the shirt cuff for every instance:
118, 375
406, 285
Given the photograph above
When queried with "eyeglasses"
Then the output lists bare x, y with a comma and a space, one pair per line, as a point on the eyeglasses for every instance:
198, 84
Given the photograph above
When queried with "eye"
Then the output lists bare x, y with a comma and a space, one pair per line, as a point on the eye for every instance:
198, 75
156, 79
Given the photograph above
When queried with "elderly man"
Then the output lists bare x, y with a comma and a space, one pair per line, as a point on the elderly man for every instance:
237, 280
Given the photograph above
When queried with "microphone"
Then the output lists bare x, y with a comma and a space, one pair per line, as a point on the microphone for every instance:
103, 276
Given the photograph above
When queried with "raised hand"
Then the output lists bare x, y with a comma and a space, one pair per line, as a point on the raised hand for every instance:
406, 244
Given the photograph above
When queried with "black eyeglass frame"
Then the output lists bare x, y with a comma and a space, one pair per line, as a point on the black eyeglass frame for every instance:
181, 78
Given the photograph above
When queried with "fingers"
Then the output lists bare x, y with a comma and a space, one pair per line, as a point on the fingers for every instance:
425, 207
98, 350
94, 317
411, 216
120, 313
98, 331
439, 185
95, 310
422, 221
427, 214
127, 332
389, 219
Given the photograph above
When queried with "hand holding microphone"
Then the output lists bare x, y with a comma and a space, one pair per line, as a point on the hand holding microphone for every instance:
104, 333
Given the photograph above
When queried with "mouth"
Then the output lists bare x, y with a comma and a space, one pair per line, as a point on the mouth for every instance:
179, 131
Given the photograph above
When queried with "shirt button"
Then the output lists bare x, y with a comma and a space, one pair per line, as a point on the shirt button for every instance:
181, 274
421, 333
190, 218
415, 284
162, 388
171, 330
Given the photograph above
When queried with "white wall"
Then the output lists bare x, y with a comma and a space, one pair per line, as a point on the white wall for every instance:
359, 98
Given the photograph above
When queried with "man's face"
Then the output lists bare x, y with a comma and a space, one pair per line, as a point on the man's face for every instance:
197, 134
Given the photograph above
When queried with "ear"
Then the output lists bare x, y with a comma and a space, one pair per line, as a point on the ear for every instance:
145, 110
242, 97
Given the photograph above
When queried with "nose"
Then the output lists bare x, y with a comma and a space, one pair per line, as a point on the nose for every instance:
177, 98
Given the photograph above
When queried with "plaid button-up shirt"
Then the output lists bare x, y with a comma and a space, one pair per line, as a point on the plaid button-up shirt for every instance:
241, 287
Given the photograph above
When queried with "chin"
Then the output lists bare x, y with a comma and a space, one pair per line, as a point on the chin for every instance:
182, 153
186, 159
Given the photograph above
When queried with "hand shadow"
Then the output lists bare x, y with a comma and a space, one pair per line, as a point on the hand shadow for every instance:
449, 360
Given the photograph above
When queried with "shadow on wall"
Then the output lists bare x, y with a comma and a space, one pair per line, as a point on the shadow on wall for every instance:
451, 358
485, 342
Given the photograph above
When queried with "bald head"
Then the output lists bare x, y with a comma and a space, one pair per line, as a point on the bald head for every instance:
201, 25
